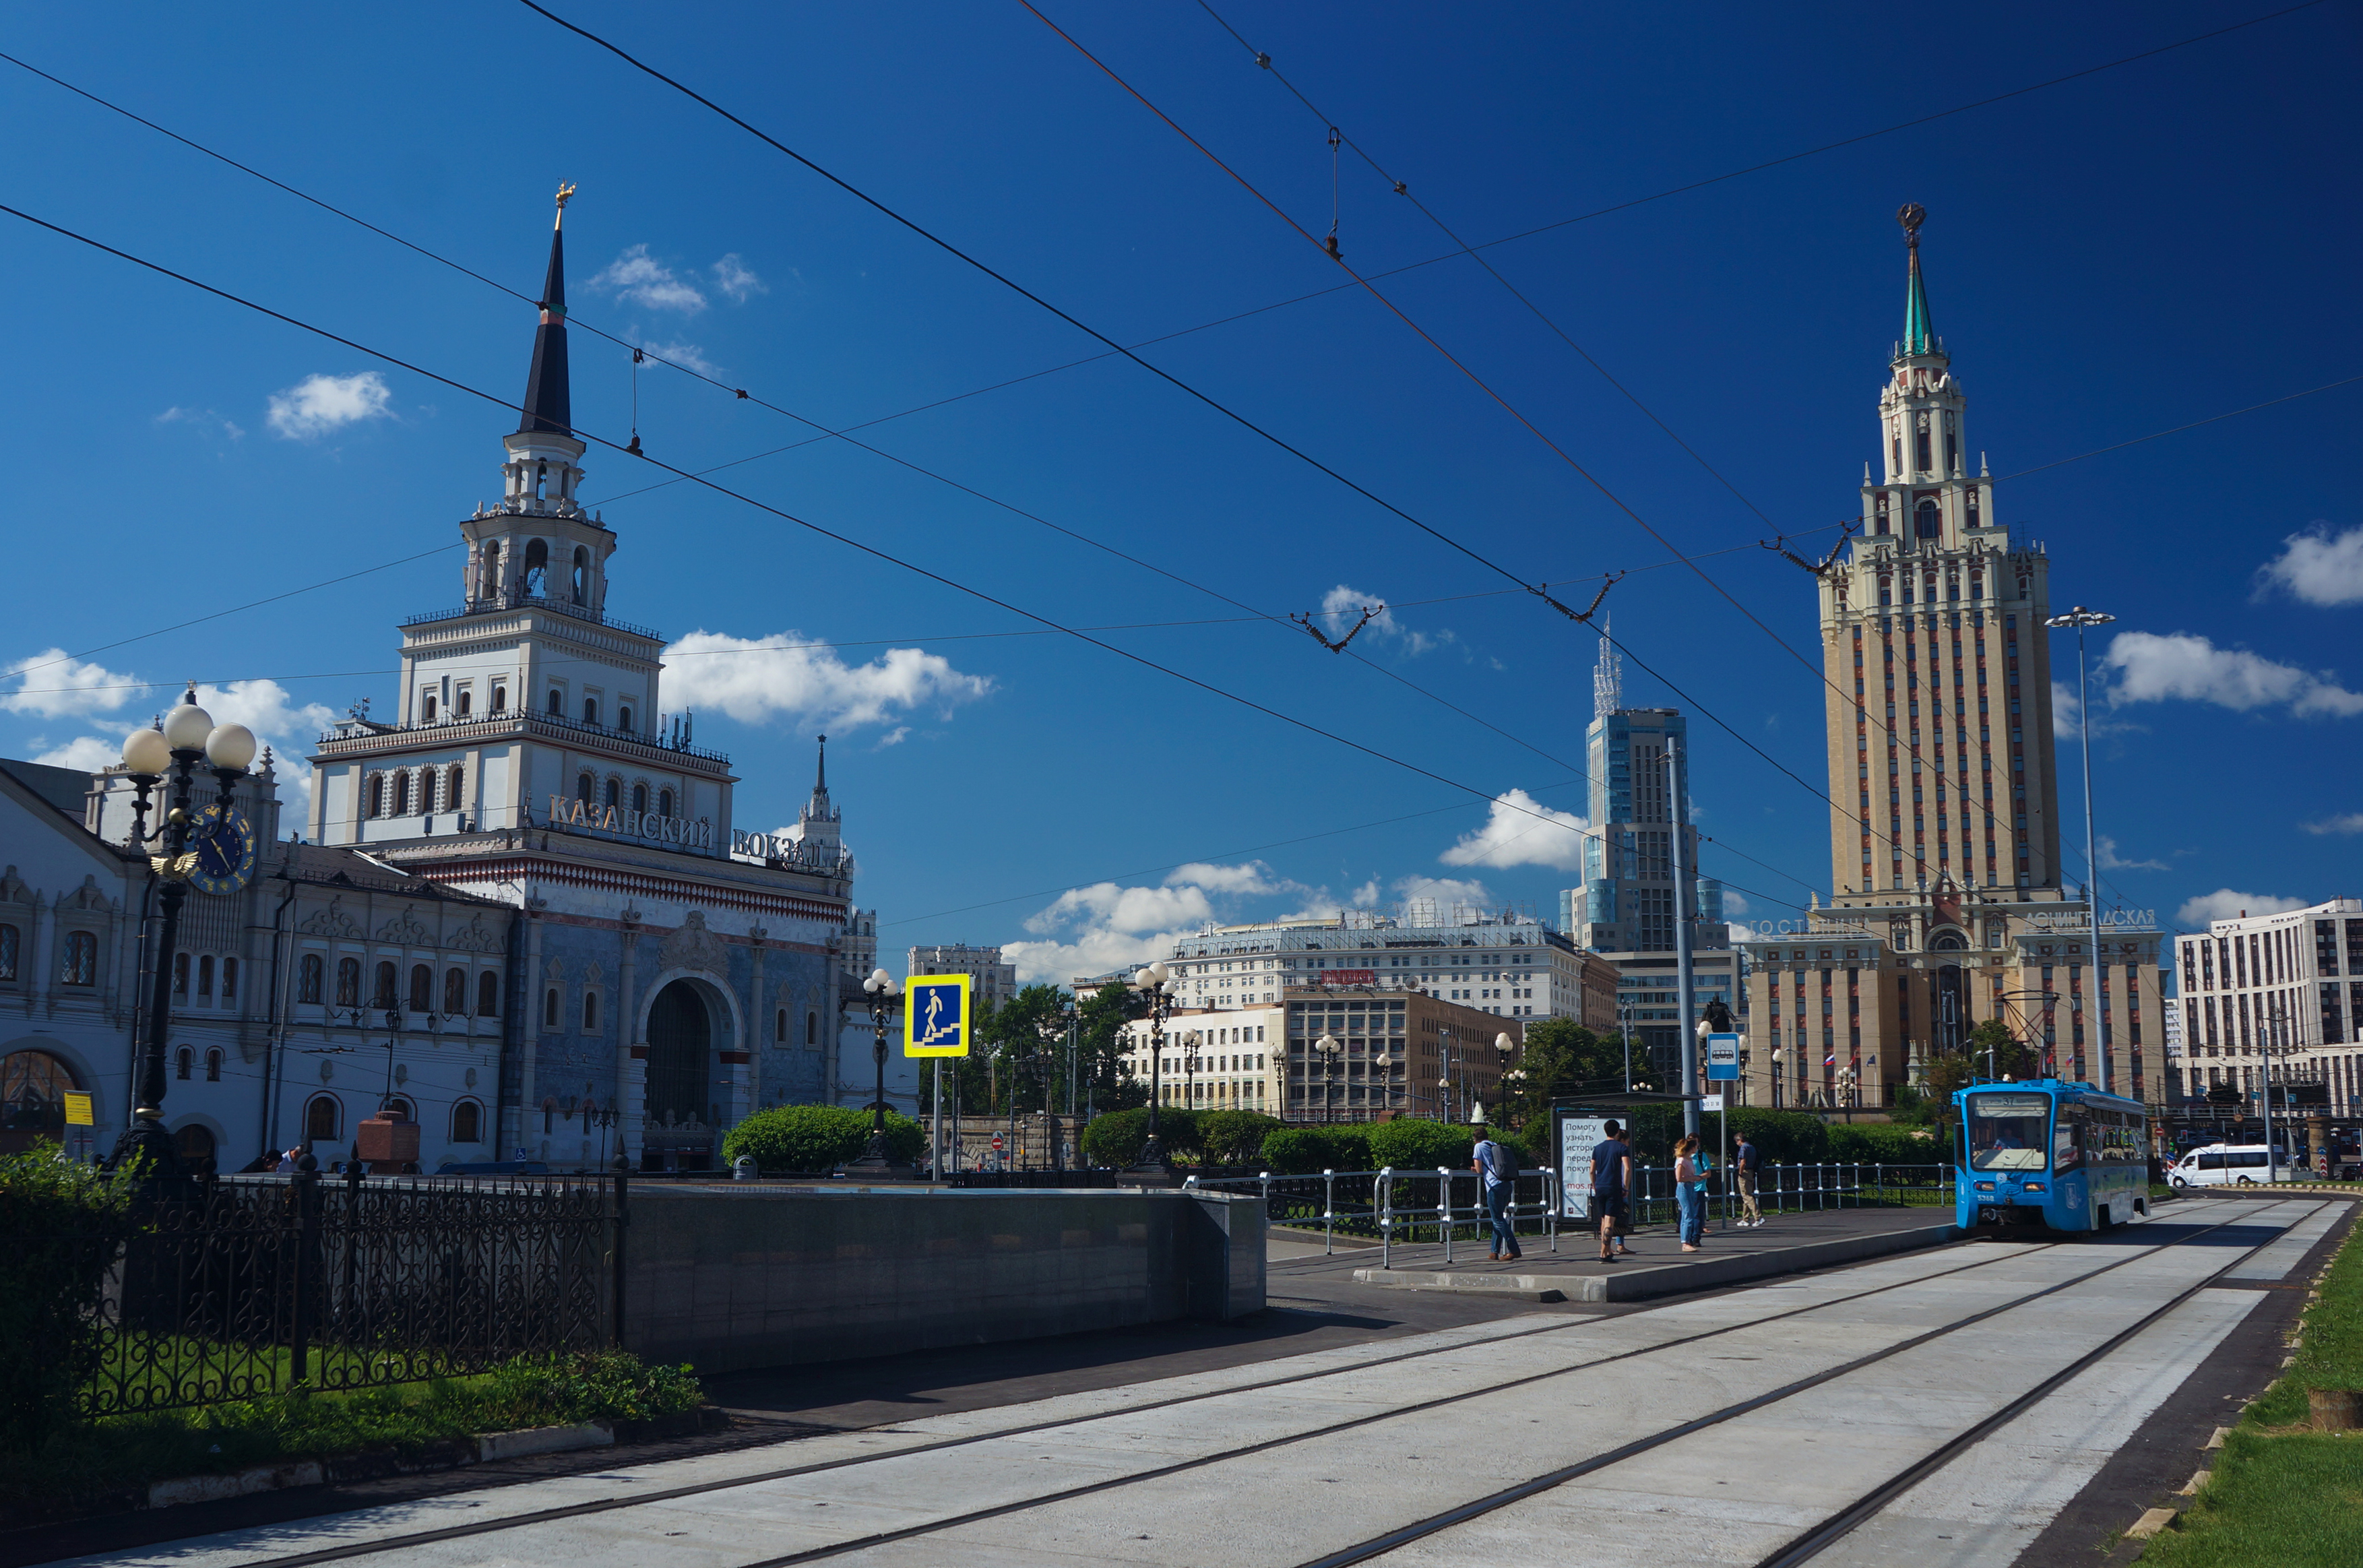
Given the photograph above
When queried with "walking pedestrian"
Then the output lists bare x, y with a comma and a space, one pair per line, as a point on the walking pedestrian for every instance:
1689, 1193
1612, 1182
1746, 1161
1497, 1163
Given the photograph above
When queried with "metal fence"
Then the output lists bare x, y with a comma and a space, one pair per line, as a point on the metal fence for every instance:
233, 1287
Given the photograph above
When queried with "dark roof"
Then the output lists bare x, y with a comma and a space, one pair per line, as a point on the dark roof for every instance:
547, 405
65, 788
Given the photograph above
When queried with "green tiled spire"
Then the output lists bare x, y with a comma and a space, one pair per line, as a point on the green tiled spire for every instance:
1919, 336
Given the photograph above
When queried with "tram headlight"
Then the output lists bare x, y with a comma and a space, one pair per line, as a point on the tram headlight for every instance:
1985, 1187
2034, 1186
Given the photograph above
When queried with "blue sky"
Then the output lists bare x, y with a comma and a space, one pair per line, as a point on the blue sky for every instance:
2128, 252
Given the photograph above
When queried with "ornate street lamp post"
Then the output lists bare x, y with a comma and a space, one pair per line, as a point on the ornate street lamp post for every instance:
876, 1161
1051, 1028
189, 736
1152, 981
1332, 1058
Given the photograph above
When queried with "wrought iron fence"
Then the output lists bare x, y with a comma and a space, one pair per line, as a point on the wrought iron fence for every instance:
234, 1287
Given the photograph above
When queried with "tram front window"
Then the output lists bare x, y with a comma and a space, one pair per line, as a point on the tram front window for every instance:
2009, 1133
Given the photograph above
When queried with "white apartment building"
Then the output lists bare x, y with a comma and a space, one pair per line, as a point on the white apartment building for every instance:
1216, 1061
1501, 961
995, 982
860, 944
2290, 982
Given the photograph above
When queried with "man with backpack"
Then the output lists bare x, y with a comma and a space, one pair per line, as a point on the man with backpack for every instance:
1497, 1163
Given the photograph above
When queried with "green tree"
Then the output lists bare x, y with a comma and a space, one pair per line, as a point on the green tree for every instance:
1951, 1070
1234, 1137
1409, 1144
1117, 1138
1561, 1059
1101, 1016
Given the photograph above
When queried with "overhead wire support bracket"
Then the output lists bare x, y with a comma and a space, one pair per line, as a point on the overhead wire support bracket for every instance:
1369, 613
1822, 568
1541, 591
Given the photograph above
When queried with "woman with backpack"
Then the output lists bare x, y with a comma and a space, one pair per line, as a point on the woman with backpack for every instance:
1690, 1192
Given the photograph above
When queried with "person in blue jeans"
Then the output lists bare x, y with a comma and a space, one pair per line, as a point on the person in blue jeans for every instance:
1689, 1193
1497, 1163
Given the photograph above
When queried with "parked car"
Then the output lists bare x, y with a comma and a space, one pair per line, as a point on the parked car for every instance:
2225, 1166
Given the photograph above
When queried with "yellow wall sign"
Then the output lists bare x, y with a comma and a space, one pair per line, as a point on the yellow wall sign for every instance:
77, 1110
934, 1014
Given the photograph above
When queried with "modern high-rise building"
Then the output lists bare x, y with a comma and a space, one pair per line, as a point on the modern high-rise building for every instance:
2281, 993
1947, 904
1629, 901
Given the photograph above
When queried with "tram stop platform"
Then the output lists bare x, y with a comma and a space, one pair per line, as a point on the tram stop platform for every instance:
1653, 1265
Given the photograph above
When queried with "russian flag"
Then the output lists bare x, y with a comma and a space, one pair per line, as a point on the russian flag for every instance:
1831, 1060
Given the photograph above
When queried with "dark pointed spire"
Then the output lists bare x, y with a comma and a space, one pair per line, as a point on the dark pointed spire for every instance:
820, 775
548, 402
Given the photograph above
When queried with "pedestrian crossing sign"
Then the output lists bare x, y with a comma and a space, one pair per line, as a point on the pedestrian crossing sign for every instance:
934, 1014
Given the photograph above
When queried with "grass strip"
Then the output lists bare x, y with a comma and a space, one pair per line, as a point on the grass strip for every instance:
94, 1461
2280, 1494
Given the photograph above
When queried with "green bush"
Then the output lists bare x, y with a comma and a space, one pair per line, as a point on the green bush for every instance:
1116, 1139
1791, 1138
1411, 1145
1309, 1151
809, 1140
1234, 1137
1870, 1143
65, 1225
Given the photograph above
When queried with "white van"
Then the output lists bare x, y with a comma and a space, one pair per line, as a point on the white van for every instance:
2225, 1165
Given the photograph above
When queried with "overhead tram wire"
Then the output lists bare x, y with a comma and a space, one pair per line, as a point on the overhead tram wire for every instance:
1987, 812
872, 550
1167, 376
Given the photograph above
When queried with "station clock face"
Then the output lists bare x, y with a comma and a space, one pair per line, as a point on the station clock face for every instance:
225, 848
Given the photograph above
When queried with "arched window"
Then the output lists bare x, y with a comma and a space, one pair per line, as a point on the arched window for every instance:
214, 1065
455, 787
455, 992
426, 710
9, 939
557, 702
422, 989
780, 1026
550, 1008
1922, 458
537, 565
308, 977
664, 802
183, 1061
82, 958
229, 980
582, 575
640, 797
488, 996
623, 720
400, 1109
466, 1122
488, 581
348, 982
589, 1012
33, 1087
467, 701
402, 795
193, 1143
500, 699
385, 995
205, 979
181, 975
324, 1119
1924, 519
586, 789
589, 710
812, 1030
376, 796
613, 793
1878, 519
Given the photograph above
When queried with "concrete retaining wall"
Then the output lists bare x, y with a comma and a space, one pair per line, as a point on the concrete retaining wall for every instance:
733, 1276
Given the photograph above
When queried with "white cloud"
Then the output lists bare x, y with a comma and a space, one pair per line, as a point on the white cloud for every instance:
1445, 891
1342, 607
738, 280
59, 687
1519, 830
2318, 567
752, 678
2111, 861
1738, 934
688, 356
1734, 903
2063, 711
1249, 877
2225, 905
86, 753
319, 404
1107, 925
2351, 822
636, 278
201, 418
1128, 911
2151, 668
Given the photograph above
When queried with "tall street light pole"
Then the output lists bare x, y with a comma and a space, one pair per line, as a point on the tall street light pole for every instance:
189, 736
1152, 982
1330, 1051
2094, 1016
875, 1161
1685, 906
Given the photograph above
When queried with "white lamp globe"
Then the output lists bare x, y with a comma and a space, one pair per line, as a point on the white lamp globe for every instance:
147, 751
1503, 1041
230, 746
1157, 972
186, 726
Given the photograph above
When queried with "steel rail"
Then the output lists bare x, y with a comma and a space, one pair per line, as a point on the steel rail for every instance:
605, 1505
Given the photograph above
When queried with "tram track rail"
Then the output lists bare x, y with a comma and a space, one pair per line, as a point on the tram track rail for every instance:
1814, 1542
345, 1551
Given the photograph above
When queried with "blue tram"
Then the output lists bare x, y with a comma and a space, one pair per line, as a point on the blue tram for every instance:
2068, 1156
